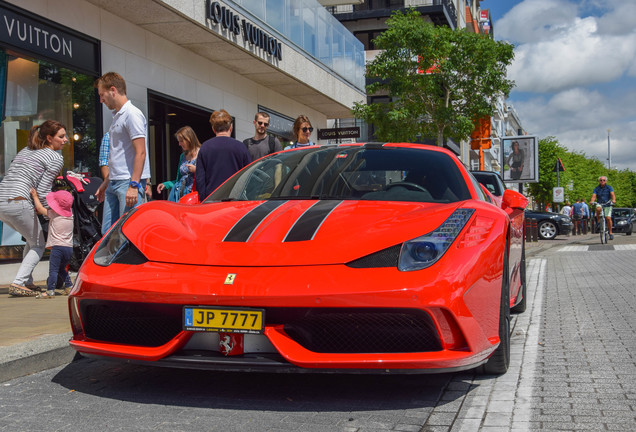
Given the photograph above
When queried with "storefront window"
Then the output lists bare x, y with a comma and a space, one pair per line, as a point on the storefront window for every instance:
35, 91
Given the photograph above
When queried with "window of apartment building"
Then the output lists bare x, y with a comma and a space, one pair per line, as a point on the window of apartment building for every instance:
379, 4
367, 38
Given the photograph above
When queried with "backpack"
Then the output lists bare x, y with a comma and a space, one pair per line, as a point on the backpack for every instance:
271, 141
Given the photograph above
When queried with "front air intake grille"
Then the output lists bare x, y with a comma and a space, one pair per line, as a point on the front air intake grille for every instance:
141, 324
365, 331
385, 258
324, 330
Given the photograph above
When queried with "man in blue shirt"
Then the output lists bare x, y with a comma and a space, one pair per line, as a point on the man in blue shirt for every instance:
604, 193
219, 157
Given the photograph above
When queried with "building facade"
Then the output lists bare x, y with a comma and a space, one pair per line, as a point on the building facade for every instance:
181, 60
367, 20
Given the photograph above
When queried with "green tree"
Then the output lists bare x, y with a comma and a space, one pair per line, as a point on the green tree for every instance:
581, 172
467, 71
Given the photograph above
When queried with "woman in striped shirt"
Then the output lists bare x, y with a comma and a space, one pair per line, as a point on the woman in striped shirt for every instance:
35, 166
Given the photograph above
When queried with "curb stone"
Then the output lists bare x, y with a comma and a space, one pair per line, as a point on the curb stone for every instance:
35, 356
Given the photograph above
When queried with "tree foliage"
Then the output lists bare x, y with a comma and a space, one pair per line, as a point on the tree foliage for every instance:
467, 71
580, 176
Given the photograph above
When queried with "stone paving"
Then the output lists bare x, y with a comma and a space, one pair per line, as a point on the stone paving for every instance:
573, 368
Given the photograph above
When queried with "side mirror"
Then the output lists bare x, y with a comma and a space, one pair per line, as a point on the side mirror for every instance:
514, 199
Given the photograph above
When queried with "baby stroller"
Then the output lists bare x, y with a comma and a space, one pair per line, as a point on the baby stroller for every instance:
87, 230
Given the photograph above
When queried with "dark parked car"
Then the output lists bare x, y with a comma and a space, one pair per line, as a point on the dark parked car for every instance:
623, 220
550, 224
491, 180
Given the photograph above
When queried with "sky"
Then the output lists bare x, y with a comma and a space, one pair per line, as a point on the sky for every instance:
575, 72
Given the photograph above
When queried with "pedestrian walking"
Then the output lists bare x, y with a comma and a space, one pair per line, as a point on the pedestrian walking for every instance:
262, 143
186, 167
302, 132
128, 165
577, 216
585, 221
35, 166
219, 157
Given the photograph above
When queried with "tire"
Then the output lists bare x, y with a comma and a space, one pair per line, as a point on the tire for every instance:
522, 305
602, 231
631, 228
548, 230
499, 361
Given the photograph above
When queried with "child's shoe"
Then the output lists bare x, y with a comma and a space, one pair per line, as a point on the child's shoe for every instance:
45, 295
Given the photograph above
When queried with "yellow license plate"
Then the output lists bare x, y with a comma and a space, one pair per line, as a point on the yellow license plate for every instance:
221, 319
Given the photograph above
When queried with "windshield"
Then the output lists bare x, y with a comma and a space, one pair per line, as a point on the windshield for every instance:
356, 172
621, 213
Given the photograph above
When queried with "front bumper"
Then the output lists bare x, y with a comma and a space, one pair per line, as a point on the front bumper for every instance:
443, 318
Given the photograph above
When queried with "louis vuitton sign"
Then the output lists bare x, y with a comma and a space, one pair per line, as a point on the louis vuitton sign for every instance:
232, 22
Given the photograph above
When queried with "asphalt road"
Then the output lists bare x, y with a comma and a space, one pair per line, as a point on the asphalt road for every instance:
573, 368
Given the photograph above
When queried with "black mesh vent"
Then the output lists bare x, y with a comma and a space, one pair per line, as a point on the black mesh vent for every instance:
141, 324
385, 258
326, 330
365, 331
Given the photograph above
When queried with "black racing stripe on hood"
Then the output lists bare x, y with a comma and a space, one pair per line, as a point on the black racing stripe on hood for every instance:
308, 224
243, 229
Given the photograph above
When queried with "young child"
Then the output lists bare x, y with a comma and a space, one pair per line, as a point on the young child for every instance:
60, 237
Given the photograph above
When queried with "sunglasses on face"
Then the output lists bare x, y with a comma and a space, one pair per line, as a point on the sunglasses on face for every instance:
305, 129
260, 123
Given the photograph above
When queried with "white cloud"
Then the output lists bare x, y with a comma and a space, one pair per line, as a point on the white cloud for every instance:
535, 20
574, 67
579, 119
557, 49
577, 57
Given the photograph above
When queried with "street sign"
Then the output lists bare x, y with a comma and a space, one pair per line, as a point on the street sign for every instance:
339, 133
558, 194
559, 166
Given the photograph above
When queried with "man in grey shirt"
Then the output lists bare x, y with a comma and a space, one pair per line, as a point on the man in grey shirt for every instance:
262, 144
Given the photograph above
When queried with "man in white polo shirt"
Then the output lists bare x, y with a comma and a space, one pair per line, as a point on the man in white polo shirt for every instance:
128, 161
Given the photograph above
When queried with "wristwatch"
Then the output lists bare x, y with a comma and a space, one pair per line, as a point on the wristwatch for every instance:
134, 184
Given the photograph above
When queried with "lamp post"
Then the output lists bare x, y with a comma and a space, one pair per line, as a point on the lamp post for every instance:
609, 152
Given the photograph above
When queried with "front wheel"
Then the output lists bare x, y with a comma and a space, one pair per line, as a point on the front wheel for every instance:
547, 230
499, 361
521, 306
603, 231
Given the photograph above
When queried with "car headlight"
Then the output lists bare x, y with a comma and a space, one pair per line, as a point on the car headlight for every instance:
621, 222
116, 248
424, 251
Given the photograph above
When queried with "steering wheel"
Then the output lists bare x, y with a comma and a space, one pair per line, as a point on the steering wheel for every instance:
408, 185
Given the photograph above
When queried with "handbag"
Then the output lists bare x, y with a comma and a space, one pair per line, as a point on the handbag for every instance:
44, 223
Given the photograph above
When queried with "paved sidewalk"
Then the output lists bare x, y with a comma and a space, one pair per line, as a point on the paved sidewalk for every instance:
35, 332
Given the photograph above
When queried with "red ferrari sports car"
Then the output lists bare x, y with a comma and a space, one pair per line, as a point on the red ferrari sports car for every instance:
376, 258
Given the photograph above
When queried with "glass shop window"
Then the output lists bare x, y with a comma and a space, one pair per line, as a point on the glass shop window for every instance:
33, 91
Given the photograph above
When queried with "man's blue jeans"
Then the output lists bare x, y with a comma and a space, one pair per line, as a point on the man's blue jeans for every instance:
115, 201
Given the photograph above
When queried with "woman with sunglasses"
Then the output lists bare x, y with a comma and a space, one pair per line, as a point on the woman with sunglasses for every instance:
302, 132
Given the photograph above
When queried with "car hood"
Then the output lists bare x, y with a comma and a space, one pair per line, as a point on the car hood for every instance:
277, 232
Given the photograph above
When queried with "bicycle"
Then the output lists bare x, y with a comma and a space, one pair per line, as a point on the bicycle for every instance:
603, 229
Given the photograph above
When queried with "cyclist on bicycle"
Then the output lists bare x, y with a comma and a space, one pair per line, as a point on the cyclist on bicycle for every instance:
603, 194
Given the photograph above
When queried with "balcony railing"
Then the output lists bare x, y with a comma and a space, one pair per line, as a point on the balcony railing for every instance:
447, 7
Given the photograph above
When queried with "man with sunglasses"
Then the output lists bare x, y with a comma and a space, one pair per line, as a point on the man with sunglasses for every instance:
262, 144
604, 193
